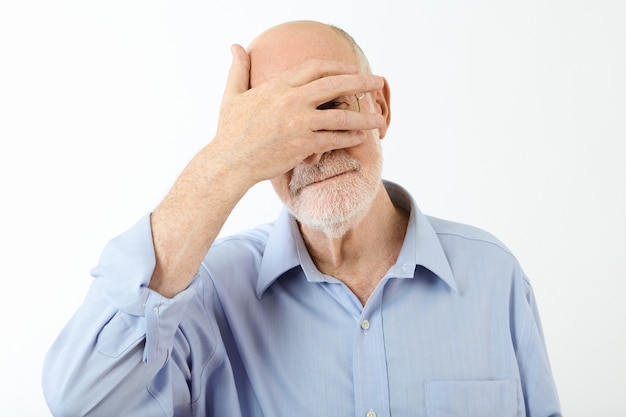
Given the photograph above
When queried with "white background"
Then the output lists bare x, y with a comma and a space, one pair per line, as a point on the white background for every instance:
507, 115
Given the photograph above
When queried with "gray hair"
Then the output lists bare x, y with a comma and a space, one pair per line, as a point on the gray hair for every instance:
365, 65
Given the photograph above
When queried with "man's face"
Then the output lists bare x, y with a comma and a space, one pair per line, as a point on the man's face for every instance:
333, 191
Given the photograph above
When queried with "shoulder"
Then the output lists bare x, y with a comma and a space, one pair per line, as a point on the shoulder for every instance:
451, 233
480, 262
240, 248
451, 230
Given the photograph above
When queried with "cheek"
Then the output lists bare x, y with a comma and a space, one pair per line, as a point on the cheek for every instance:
370, 150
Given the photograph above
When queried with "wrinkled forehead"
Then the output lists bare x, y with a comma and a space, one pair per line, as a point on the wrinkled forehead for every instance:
288, 45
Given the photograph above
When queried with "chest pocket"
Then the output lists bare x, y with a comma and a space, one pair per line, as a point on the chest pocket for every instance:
471, 398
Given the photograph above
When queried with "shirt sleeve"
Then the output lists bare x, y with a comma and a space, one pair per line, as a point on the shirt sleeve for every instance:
123, 332
540, 393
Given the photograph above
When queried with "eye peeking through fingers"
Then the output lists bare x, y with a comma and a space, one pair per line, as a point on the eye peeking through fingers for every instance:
333, 104
351, 103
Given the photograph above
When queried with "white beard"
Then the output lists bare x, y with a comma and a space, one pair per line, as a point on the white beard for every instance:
337, 204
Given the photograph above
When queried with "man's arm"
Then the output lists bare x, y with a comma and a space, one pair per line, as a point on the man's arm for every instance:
122, 339
540, 394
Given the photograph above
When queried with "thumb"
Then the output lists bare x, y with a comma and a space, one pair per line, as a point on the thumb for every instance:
239, 73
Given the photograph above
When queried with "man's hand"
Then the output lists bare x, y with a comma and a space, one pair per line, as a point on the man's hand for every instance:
272, 127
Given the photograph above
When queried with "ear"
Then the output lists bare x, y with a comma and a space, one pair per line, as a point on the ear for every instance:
382, 100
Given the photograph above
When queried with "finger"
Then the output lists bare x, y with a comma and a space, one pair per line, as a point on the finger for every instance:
327, 88
344, 120
325, 141
239, 74
315, 69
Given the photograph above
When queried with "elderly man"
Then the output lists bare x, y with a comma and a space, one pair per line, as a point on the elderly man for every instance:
352, 303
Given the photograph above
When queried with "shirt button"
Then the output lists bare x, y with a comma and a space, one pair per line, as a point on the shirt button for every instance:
365, 324
370, 413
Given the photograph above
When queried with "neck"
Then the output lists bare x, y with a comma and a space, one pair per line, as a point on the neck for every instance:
361, 256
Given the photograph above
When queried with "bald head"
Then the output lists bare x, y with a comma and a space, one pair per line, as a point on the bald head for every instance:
288, 44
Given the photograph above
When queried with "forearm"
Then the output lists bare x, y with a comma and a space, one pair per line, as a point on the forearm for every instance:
191, 216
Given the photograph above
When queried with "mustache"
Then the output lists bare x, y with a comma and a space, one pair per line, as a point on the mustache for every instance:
332, 164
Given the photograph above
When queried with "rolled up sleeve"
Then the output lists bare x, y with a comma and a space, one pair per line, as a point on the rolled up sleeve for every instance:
123, 331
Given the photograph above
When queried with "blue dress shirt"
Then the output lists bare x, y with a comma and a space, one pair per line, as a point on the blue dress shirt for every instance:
451, 330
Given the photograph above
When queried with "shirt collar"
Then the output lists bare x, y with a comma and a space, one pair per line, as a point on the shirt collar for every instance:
285, 248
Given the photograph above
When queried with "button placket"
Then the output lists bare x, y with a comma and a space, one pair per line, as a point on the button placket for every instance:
371, 379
